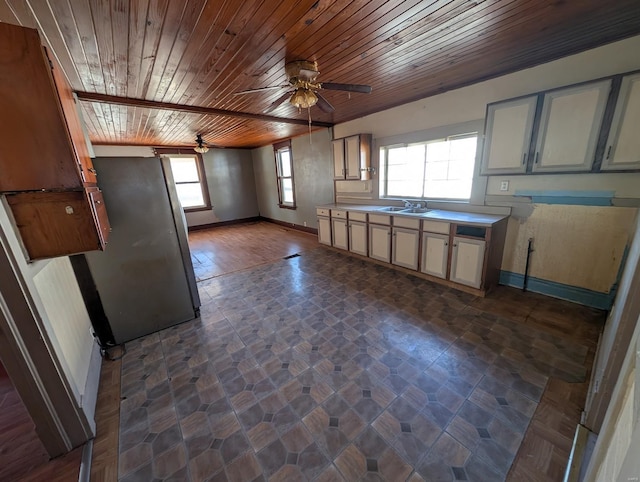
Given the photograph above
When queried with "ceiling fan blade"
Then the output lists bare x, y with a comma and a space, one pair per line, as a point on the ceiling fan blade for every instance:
364, 89
276, 104
261, 89
324, 104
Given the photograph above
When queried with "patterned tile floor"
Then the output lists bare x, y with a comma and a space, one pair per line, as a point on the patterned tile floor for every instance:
325, 367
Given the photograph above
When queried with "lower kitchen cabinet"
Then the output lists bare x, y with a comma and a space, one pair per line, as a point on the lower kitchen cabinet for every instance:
380, 242
405, 247
435, 254
60, 223
467, 261
358, 237
463, 251
339, 233
324, 226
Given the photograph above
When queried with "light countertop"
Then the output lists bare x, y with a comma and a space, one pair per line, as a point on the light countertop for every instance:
460, 217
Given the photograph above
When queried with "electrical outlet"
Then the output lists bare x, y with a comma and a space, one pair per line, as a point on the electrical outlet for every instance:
504, 185
305, 224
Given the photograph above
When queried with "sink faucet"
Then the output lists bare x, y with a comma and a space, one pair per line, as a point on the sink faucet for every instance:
407, 204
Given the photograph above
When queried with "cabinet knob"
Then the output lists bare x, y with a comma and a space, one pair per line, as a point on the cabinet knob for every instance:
92, 170
455, 245
446, 244
98, 202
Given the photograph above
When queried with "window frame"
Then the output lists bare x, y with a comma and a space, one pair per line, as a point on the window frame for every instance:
383, 152
277, 148
202, 178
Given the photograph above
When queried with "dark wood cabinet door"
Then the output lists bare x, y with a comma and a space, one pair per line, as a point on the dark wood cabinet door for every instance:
36, 151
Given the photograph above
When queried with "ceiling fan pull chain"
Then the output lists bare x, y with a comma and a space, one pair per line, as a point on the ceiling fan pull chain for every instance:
309, 111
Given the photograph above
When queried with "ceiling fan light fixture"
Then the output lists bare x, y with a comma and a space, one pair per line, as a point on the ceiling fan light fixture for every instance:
201, 148
303, 98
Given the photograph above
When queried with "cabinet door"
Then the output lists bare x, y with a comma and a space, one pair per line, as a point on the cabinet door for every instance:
508, 136
380, 242
37, 153
467, 260
358, 237
324, 230
435, 253
623, 144
405, 247
70, 109
339, 232
352, 154
96, 201
338, 159
569, 127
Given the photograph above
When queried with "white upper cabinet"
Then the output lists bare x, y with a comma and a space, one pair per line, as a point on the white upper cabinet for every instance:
569, 126
623, 145
352, 157
338, 159
508, 136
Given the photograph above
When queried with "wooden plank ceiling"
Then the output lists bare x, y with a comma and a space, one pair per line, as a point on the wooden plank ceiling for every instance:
199, 53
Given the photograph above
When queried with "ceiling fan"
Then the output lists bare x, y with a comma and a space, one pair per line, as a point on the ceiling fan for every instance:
302, 88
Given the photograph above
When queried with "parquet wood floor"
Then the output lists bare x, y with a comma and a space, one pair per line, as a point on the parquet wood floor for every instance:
20, 448
227, 249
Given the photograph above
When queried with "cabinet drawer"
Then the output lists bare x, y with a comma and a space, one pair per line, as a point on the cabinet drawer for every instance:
358, 216
55, 224
338, 213
379, 218
405, 222
435, 227
322, 211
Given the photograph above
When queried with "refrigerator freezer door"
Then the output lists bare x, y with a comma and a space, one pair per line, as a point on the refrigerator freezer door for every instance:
141, 275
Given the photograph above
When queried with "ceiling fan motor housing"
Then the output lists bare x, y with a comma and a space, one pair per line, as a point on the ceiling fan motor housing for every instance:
301, 70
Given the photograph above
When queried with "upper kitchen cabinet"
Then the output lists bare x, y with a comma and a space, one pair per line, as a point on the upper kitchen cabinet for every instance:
352, 157
45, 167
569, 126
508, 130
43, 145
623, 145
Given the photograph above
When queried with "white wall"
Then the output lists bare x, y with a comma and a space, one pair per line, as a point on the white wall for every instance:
55, 292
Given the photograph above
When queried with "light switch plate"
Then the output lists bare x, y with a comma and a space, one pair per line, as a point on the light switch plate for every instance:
504, 185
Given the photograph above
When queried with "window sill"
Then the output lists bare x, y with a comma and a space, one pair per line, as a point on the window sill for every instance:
195, 210
285, 206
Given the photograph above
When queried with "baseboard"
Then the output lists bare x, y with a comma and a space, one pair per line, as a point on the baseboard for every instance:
197, 227
89, 397
84, 475
583, 296
297, 227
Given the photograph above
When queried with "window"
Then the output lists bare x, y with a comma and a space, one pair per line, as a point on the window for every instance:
188, 175
438, 169
284, 172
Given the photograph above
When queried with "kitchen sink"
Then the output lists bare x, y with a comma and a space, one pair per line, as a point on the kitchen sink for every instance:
415, 210
391, 209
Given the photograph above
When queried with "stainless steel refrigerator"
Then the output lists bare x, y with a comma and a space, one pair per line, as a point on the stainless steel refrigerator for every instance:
144, 278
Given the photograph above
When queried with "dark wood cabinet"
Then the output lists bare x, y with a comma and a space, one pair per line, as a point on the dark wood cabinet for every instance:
58, 223
45, 168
